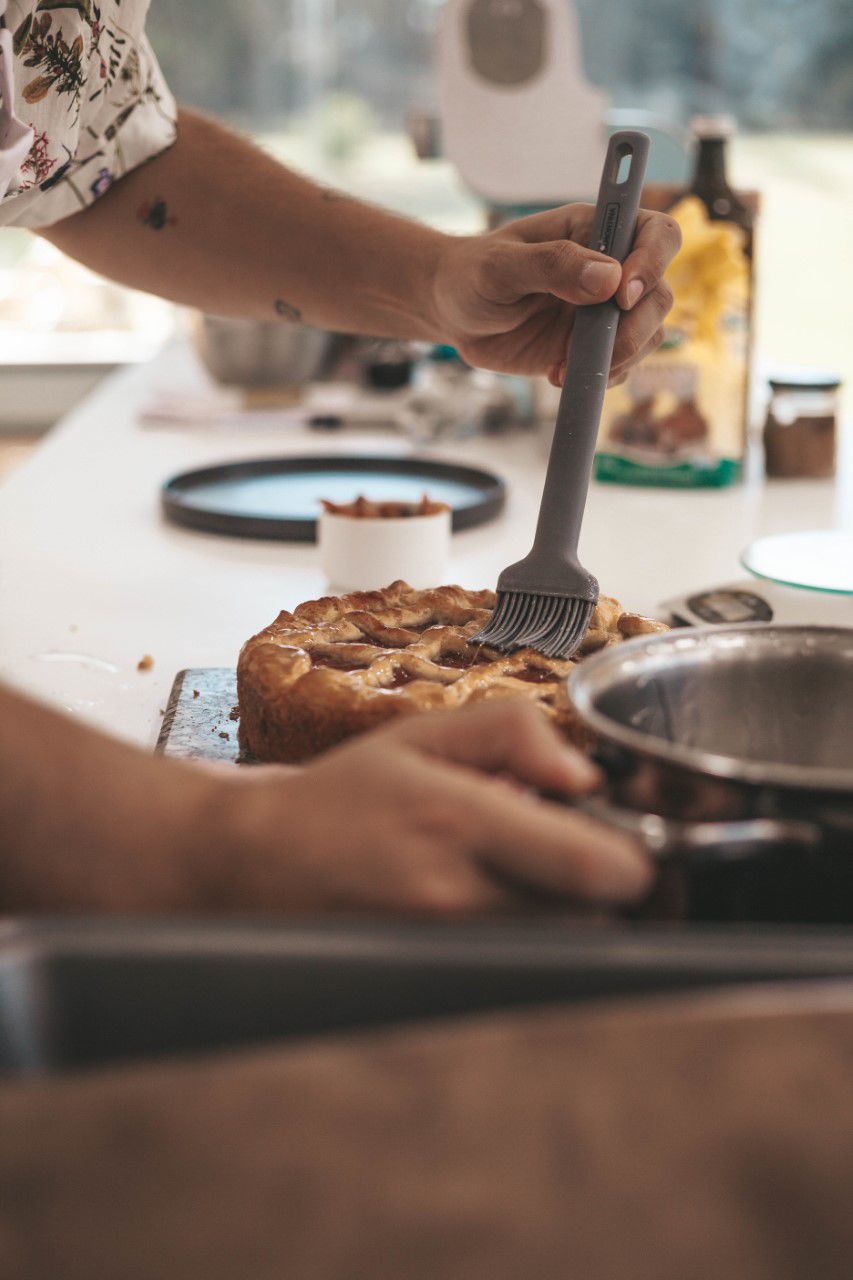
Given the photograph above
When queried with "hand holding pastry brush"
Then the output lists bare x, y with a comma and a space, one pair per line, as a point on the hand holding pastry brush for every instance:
546, 600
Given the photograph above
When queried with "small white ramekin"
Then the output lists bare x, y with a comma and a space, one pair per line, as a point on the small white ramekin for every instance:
362, 554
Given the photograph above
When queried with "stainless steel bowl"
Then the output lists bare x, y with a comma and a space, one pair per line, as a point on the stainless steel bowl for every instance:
252, 353
767, 705
730, 754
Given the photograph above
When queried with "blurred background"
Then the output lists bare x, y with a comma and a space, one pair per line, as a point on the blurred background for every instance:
339, 88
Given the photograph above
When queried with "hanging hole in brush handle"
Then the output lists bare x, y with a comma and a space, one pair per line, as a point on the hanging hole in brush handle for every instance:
624, 168
588, 364
619, 194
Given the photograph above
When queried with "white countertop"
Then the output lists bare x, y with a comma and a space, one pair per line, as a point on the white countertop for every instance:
92, 578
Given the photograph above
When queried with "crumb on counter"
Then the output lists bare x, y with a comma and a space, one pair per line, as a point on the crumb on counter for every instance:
145, 663
226, 736
234, 713
195, 693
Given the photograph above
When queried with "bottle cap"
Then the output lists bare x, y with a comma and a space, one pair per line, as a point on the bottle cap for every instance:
443, 353
721, 126
804, 380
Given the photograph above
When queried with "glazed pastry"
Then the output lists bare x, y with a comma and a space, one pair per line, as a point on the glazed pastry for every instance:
341, 665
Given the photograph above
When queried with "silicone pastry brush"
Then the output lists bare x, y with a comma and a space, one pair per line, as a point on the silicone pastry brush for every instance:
546, 600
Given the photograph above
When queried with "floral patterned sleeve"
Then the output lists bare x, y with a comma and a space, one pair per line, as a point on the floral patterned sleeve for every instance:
87, 84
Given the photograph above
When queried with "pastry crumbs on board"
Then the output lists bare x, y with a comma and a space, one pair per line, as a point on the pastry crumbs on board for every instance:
145, 663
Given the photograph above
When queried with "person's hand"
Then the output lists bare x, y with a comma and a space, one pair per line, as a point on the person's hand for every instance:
437, 814
507, 300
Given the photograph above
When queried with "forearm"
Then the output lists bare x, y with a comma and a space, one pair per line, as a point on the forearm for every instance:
90, 823
215, 223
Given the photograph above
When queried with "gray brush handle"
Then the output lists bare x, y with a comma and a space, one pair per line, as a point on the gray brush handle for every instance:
588, 363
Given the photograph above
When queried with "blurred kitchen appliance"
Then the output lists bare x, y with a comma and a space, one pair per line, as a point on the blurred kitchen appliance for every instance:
510, 77
799, 578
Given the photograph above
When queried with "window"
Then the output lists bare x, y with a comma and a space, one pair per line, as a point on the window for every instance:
329, 85
776, 64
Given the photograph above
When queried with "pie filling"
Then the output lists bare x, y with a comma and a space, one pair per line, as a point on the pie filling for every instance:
337, 662
461, 659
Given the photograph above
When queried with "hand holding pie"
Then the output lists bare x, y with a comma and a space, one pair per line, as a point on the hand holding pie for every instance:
436, 811
437, 814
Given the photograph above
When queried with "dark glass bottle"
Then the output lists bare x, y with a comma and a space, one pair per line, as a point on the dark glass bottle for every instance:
681, 417
710, 184
710, 181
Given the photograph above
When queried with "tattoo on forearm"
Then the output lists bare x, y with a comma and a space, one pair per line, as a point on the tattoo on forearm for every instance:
286, 311
155, 214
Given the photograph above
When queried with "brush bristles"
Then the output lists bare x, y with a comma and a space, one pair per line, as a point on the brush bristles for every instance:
553, 625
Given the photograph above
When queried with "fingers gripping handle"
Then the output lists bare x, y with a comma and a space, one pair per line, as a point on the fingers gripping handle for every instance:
590, 354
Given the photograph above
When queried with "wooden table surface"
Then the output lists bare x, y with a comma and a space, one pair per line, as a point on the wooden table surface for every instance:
670, 1140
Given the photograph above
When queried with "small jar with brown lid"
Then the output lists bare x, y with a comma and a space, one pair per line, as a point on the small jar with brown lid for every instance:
801, 428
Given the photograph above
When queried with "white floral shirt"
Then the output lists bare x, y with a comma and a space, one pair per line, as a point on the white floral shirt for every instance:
82, 102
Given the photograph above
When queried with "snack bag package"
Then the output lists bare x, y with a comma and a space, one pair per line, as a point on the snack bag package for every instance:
680, 420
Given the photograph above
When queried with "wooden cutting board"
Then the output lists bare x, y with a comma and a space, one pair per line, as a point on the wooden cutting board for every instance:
201, 717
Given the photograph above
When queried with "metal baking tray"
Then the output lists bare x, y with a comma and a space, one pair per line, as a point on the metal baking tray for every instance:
83, 993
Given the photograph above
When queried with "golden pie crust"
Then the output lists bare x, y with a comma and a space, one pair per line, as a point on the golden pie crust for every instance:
341, 665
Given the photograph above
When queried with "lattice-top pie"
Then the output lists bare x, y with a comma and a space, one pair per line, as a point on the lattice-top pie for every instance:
338, 666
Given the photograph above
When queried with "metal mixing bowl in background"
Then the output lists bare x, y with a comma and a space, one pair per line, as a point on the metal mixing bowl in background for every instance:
254, 353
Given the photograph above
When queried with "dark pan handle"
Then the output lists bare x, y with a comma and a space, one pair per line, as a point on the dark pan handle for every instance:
667, 838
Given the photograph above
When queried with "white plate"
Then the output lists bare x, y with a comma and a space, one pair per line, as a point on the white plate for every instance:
817, 560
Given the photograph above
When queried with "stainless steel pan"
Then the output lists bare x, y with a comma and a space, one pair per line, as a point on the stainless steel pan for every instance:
728, 743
